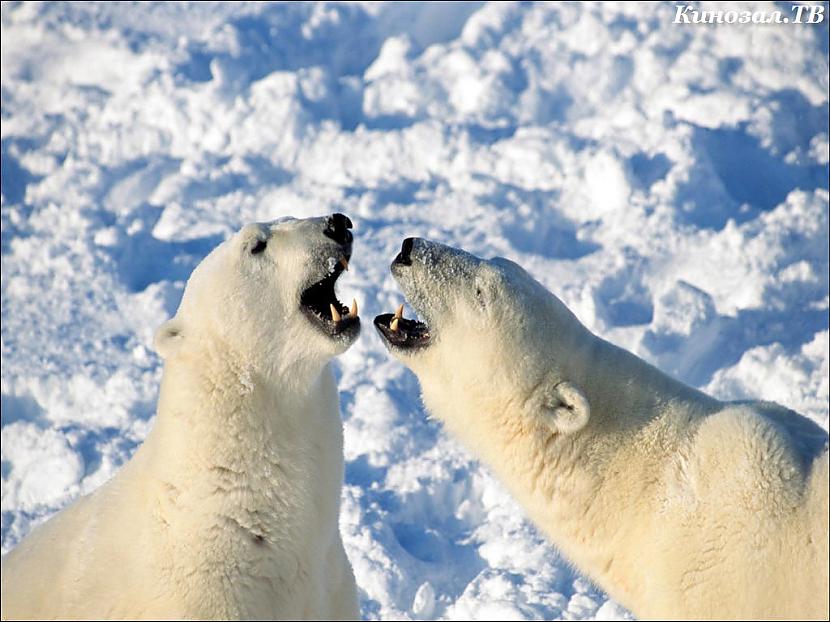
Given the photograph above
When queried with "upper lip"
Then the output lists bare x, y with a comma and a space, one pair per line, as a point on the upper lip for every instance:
318, 299
320, 303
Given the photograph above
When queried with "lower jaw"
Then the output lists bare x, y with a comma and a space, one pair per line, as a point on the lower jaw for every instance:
343, 329
399, 340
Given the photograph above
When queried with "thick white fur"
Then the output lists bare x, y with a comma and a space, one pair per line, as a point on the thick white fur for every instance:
679, 505
230, 507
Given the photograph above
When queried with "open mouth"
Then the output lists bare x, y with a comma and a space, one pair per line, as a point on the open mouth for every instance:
321, 306
401, 332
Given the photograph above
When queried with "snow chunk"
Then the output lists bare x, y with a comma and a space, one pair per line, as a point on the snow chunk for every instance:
43, 470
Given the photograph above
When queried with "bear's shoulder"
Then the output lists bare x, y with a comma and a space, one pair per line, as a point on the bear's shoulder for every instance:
757, 447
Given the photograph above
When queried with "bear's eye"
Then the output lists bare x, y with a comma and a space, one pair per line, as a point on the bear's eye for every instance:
480, 296
259, 247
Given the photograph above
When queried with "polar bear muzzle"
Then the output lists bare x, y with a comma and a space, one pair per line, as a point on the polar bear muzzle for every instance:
319, 301
396, 330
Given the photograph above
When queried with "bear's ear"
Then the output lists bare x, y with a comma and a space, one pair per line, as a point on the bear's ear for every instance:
565, 407
168, 338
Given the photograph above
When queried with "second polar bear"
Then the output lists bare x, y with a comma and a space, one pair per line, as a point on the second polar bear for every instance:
230, 508
677, 504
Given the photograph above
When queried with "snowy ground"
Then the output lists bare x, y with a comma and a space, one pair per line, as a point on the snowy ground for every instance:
668, 182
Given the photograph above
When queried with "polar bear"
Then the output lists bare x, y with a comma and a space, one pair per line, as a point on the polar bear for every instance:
677, 504
230, 507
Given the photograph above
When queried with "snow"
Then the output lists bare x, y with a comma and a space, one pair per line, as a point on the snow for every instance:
668, 182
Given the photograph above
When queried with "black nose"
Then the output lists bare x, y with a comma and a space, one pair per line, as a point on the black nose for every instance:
403, 257
337, 228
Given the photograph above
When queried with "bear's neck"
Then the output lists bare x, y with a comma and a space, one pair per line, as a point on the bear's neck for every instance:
234, 467
570, 485
625, 392
640, 420
217, 416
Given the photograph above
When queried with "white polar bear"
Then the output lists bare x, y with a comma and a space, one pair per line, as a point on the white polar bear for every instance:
677, 504
230, 507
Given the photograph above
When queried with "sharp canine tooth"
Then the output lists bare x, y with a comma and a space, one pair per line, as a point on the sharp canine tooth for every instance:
399, 312
393, 325
335, 314
353, 310
344, 263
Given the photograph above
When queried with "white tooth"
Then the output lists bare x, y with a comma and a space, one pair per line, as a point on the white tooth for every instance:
335, 314
344, 263
353, 310
393, 325
399, 312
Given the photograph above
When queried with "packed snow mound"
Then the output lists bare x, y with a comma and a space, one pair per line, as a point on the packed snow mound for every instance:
669, 182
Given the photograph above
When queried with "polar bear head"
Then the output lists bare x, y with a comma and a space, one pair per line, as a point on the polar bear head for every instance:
490, 339
264, 299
